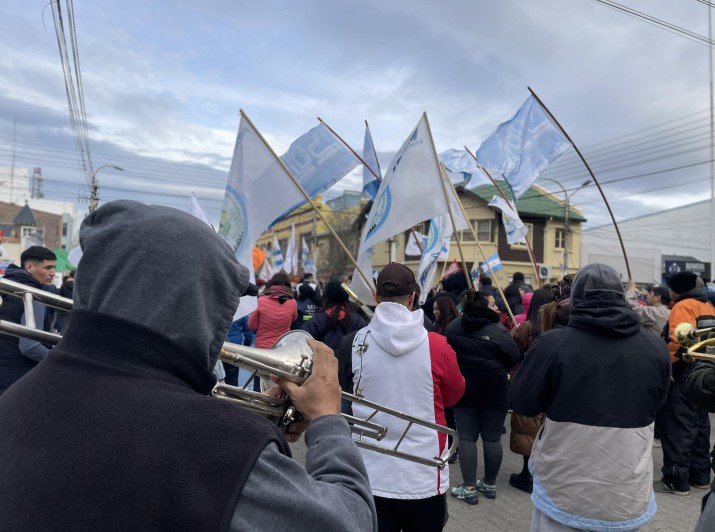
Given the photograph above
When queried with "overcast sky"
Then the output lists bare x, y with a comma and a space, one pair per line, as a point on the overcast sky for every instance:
164, 81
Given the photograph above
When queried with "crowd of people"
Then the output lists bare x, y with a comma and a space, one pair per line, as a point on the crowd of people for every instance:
115, 428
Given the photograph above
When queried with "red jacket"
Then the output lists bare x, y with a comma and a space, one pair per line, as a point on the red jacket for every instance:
271, 320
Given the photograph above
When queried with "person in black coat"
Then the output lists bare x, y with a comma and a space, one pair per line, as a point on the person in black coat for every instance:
485, 353
337, 319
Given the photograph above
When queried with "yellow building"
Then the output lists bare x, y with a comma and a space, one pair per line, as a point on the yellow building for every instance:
541, 211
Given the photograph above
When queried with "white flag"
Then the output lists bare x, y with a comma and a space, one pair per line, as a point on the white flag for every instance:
266, 270
276, 255
436, 248
306, 260
515, 229
290, 265
258, 191
410, 193
415, 243
196, 211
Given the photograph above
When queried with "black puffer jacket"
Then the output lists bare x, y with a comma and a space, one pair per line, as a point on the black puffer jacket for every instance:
485, 353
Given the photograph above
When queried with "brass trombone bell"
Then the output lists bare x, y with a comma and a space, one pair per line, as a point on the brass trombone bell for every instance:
687, 335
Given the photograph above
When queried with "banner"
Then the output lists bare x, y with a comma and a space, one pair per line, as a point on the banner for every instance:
266, 271
451, 269
515, 229
436, 247
523, 147
370, 184
410, 193
318, 160
290, 265
305, 259
258, 256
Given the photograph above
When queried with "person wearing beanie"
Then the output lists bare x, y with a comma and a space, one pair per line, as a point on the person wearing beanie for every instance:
117, 428
684, 428
599, 381
514, 291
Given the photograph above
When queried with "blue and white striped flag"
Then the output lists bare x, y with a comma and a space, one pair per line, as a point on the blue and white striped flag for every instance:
370, 184
494, 262
276, 255
436, 247
523, 147
308, 265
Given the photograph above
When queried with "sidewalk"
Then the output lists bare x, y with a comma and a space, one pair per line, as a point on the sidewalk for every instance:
511, 510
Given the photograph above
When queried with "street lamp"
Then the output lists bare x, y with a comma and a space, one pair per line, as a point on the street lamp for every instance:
567, 205
94, 196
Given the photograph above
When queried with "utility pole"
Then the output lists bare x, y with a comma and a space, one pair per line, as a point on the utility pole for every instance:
567, 225
94, 185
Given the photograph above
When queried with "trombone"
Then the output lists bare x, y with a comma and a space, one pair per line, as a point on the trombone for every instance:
688, 336
290, 357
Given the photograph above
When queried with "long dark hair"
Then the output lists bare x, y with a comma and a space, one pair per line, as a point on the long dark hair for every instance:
541, 297
553, 314
335, 301
280, 284
447, 312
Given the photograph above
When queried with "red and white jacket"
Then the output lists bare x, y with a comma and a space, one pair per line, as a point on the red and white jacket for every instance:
407, 369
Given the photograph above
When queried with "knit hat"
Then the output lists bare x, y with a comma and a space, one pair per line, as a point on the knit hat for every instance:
682, 282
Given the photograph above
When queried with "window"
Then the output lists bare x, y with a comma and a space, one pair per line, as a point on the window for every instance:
64, 229
560, 240
529, 237
484, 230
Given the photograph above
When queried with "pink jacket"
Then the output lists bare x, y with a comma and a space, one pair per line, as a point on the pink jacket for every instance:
271, 320
526, 303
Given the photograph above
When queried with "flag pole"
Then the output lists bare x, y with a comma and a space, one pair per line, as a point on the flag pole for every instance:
593, 176
379, 179
470, 284
479, 245
528, 245
369, 283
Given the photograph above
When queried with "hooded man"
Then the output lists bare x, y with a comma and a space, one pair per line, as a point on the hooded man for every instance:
684, 427
116, 429
600, 381
19, 355
394, 361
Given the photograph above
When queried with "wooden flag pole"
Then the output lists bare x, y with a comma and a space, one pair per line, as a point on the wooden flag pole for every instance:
528, 245
593, 176
449, 204
368, 282
445, 178
379, 179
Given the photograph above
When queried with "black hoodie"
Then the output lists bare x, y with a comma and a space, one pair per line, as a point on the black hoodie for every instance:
599, 370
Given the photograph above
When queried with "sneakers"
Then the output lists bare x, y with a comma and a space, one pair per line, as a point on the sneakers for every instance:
462, 493
700, 486
663, 487
489, 490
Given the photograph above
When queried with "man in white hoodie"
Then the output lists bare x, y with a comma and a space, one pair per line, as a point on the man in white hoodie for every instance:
394, 361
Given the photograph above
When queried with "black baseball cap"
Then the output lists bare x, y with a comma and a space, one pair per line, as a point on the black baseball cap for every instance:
396, 279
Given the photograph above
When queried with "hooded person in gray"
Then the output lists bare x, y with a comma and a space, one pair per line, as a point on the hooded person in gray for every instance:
116, 429
599, 381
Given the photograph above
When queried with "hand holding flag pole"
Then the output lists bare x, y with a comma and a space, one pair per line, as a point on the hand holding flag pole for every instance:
501, 192
311, 202
593, 176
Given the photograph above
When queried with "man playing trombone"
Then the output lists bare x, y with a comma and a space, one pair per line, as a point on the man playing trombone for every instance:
116, 429
19, 355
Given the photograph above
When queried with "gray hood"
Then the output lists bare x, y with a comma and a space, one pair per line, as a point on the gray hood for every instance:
162, 269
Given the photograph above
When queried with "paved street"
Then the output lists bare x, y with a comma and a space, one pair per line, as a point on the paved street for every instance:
511, 510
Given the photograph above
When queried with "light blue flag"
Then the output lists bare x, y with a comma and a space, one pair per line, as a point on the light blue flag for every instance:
494, 262
523, 147
370, 184
317, 160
